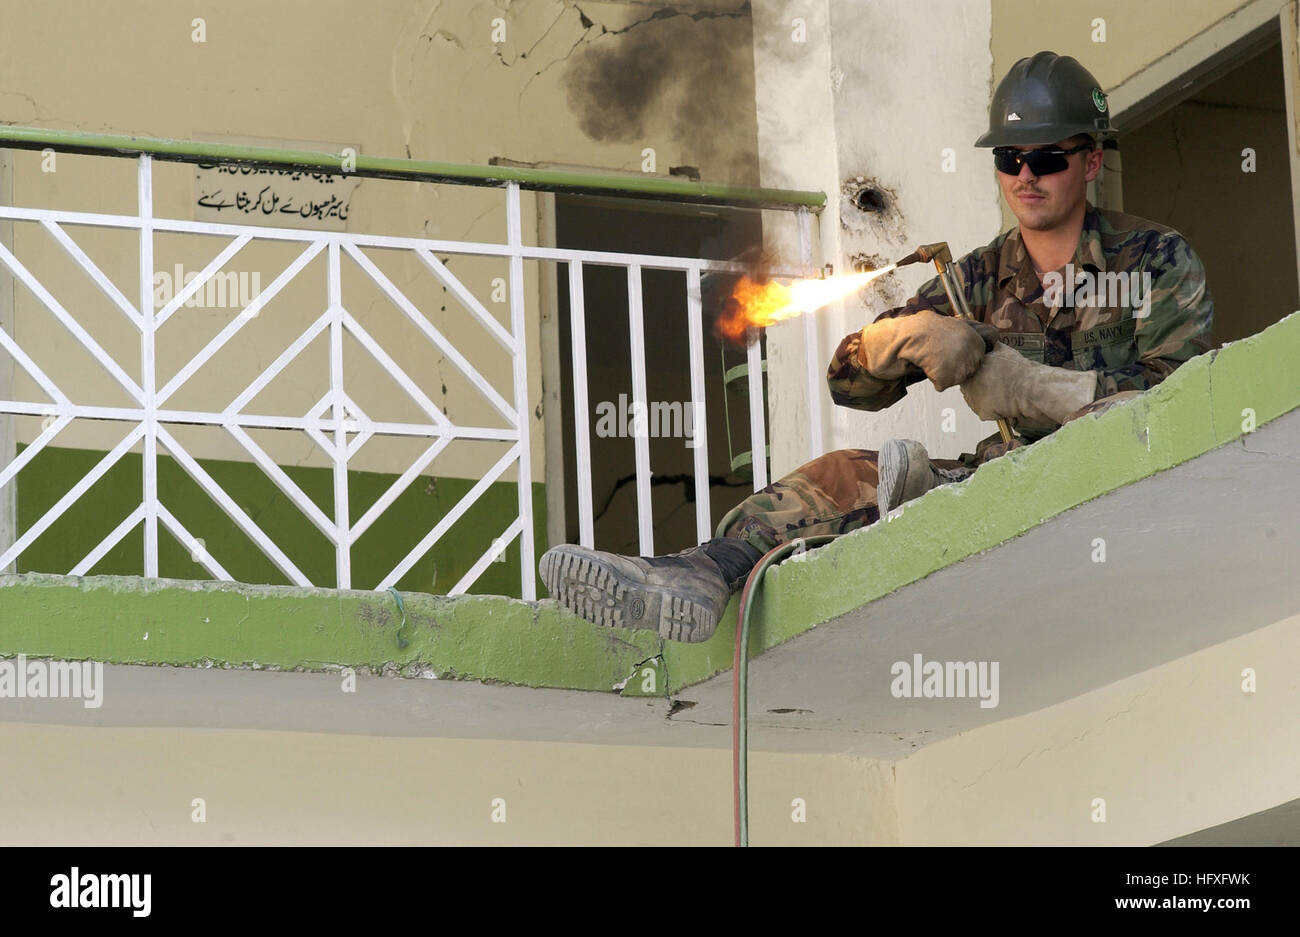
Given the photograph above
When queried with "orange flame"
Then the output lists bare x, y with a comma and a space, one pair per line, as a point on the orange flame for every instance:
756, 305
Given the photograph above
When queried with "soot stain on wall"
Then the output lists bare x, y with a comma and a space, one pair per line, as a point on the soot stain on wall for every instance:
669, 73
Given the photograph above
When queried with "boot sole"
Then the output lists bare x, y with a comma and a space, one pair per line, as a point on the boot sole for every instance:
592, 590
893, 464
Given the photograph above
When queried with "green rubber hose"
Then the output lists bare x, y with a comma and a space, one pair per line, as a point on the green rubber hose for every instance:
740, 679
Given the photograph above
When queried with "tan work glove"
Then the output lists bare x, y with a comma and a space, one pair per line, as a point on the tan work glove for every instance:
1008, 386
948, 350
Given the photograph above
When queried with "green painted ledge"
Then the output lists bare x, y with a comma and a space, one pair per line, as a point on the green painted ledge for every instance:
491, 638
128, 619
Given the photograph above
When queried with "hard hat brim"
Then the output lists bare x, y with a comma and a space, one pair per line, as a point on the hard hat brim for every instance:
1037, 134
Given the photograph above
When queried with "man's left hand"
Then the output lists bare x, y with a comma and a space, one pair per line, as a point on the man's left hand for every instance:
1009, 386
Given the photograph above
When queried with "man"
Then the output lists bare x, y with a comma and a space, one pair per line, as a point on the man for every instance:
1078, 309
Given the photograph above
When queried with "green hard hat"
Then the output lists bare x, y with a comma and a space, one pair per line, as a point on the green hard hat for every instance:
1045, 98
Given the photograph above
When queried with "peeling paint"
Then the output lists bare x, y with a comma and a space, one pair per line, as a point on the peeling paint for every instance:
647, 678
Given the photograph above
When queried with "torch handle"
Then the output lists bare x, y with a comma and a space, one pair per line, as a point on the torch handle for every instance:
962, 311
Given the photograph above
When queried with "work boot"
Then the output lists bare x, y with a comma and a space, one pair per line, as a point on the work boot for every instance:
682, 596
906, 473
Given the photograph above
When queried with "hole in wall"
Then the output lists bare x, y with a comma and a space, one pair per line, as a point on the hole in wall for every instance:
870, 199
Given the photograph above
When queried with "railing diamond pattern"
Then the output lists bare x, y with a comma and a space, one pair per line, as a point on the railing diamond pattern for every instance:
337, 423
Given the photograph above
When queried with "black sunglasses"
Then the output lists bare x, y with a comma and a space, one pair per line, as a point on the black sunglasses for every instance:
1042, 161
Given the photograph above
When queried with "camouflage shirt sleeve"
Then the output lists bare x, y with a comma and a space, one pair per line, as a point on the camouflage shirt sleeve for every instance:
1174, 328
853, 386
850, 383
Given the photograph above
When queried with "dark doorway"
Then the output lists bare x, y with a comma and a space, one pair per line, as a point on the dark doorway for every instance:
1189, 169
651, 228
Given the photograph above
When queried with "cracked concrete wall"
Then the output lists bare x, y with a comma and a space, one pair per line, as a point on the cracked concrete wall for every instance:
879, 93
557, 82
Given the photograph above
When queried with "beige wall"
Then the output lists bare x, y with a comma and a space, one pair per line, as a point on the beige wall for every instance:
1136, 34
1178, 748
420, 79
1172, 750
136, 786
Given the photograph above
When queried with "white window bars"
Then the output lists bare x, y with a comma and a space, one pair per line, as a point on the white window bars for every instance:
336, 423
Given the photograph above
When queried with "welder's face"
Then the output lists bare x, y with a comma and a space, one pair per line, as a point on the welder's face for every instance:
1044, 200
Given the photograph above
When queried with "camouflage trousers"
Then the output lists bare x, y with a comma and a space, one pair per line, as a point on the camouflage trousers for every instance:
836, 493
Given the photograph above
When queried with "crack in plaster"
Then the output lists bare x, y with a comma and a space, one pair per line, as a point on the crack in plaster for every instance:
1078, 738
523, 55
679, 705
408, 124
470, 227
663, 13
548, 66
636, 667
36, 108
546, 32
445, 36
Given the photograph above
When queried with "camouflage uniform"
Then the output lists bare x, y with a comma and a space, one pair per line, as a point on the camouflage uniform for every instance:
1131, 348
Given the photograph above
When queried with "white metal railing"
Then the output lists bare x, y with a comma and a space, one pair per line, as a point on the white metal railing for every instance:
335, 416
694, 269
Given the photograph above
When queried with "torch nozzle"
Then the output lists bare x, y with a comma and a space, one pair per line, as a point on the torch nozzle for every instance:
926, 253
936, 251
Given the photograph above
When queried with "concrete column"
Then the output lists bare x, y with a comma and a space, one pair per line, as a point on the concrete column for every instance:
894, 94
796, 149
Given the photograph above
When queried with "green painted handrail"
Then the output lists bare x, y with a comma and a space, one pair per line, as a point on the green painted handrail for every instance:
387, 167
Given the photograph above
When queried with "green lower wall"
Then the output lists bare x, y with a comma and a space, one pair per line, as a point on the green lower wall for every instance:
53, 472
